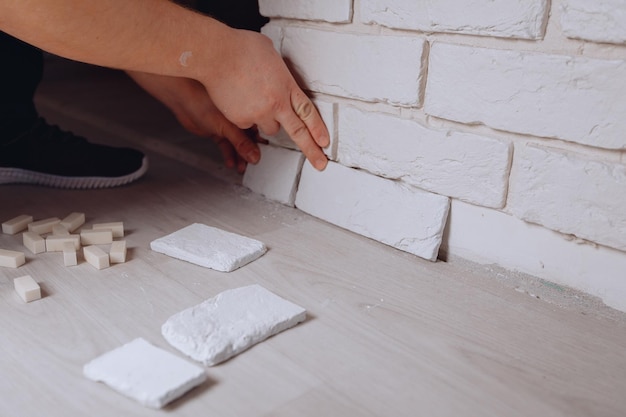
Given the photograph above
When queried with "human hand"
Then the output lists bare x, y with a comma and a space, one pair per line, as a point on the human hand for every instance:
195, 111
251, 85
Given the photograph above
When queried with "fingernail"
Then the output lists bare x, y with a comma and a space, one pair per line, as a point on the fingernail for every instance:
321, 163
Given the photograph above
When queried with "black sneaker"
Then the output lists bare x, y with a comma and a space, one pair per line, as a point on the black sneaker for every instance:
47, 155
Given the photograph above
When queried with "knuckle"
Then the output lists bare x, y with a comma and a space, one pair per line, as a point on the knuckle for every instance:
304, 109
298, 130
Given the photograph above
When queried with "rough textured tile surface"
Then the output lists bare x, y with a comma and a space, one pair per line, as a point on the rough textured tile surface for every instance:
209, 247
570, 193
457, 164
502, 18
378, 68
396, 214
229, 323
146, 373
525, 92
597, 20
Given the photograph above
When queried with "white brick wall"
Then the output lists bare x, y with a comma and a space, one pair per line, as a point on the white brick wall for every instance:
512, 109
327, 10
570, 193
398, 215
456, 164
504, 18
557, 96
597, 20
364, 67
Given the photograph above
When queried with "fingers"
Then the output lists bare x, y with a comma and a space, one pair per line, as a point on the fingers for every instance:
243, 145
306, 128
308, 114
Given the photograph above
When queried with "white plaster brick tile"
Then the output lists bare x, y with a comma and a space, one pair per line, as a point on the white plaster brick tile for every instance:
276, 175
335, 11
502, 18
364, 67
491, 237
597, 20
570, 193
462, 165
395, 214
571, 98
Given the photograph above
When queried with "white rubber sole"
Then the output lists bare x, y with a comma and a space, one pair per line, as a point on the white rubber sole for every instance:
23, 176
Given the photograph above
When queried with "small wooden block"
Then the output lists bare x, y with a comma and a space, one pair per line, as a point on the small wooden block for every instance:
96, 257
11, 258
73, 221
116, 227
43, 226
70, 256
16, 224
117, 254
33, 242
60, 230
54, 243
27, 288
96, 237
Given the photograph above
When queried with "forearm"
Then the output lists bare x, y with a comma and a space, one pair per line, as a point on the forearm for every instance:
155, 36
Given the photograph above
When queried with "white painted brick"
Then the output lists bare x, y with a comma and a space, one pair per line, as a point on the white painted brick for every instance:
327, 111
336, 11
364, 67
490, 237
462, 165
396, 214
574, 99
276, 175
502, 18
597, 20
570, 193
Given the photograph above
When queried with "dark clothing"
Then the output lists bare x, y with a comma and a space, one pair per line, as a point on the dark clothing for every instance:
20, 73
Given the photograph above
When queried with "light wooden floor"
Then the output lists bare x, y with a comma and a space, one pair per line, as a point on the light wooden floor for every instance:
387, 334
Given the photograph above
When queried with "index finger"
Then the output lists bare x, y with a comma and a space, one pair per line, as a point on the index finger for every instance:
306, 128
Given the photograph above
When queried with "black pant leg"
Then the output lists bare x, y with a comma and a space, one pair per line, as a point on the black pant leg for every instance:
21, 69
